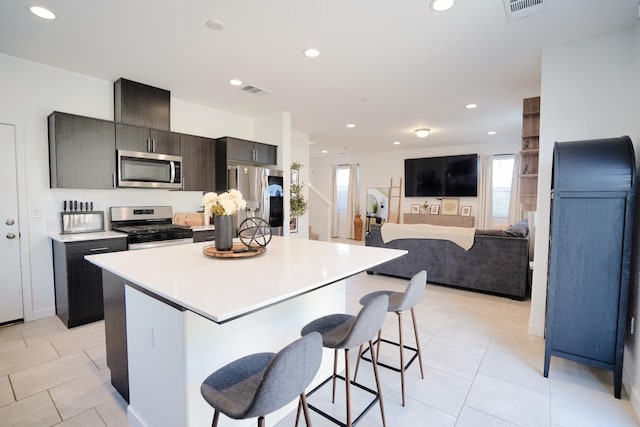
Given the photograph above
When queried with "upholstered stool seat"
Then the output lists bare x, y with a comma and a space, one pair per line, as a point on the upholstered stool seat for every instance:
258, 384
343, 331
398, 303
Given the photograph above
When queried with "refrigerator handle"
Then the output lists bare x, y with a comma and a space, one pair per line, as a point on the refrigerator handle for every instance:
266, 205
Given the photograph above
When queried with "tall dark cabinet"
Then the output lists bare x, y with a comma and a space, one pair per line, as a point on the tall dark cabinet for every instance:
592, 203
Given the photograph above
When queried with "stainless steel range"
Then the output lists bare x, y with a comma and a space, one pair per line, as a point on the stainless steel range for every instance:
149, 226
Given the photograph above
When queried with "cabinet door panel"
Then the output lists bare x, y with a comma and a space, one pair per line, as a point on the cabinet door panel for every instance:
82, 152
165, 142
266, 154
132, 138
198, 163
240, 150
586, 250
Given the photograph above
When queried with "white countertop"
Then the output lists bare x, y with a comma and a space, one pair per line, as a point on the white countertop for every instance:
222, 289
85, 237
203, 227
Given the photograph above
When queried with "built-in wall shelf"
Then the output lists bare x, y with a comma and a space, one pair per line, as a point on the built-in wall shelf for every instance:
530, 153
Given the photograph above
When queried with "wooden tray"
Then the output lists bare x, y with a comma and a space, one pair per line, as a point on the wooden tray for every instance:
241, 251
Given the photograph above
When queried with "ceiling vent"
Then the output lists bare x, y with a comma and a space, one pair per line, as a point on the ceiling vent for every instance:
255, 90
517, 9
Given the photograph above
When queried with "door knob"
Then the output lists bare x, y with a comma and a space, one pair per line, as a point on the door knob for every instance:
10, 222
11, 236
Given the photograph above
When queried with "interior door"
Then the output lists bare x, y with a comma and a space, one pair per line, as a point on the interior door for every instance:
10, 277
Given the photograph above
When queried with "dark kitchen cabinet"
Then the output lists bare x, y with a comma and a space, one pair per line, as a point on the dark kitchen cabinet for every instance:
592, 206
81, 152
135, 138
198, 163
204, 236
244, 151
78, 283
142, 105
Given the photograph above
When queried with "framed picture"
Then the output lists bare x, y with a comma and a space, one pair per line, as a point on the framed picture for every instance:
293, 224
450, 206
415, 208
465, 211
434, 209
294, 177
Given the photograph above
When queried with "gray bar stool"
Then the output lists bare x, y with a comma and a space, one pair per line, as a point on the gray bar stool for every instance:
344, 331
398, 303
258, 384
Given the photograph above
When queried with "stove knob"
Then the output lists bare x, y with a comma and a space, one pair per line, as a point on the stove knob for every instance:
164, 236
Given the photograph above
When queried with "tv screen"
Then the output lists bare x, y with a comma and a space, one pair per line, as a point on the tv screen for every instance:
455, 176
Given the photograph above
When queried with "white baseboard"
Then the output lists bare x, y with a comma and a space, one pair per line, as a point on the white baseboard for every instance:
537, 330
634, 394
45, 312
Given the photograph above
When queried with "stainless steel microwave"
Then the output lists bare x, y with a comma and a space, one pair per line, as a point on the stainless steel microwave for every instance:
149, 170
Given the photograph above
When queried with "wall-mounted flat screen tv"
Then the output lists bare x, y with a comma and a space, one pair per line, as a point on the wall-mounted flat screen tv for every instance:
450, 176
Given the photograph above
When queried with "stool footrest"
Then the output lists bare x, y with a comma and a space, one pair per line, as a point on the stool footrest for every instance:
393, 368
335, 420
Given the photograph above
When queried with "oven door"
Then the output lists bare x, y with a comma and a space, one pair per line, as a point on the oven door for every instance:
159, 243
149, 170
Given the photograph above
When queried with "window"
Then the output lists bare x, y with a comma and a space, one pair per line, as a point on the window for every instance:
342, 182
502, 177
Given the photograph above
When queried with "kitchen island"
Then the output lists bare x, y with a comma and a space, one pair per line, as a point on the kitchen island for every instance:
187, 315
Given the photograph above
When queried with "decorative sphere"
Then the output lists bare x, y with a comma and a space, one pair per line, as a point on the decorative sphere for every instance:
254, 230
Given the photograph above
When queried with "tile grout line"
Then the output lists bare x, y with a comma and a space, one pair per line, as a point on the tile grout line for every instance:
55, 406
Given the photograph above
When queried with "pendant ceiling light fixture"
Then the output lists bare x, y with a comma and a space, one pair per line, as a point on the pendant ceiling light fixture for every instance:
441, 5
422, 133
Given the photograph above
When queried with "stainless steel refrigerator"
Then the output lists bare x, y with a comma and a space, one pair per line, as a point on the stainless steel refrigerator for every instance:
263, 189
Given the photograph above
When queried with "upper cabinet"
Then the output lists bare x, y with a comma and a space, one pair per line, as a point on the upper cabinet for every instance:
134, 138
198, 163
81, 152
244, 151
142, 105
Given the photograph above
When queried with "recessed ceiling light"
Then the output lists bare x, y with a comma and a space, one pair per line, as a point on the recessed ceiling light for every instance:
42, 12
351, 125
311, 53
491, 132
235, 82
324, 151
470, 106
396, 142
441, 5
215, 25
422, 133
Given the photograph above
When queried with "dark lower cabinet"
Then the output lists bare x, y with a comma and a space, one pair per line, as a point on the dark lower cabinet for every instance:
81, 152
204, 236
590, 253
78, 283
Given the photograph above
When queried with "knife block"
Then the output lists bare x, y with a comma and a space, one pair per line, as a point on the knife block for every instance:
81, 222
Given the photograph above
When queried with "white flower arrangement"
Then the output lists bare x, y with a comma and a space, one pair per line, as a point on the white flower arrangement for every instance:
227, 203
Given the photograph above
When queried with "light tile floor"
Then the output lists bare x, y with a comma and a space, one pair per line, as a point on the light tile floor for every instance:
481, 369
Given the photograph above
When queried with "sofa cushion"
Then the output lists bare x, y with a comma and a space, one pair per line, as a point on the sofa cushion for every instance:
500, 233
519, 229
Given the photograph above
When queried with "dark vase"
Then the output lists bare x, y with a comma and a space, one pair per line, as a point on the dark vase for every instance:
224, 232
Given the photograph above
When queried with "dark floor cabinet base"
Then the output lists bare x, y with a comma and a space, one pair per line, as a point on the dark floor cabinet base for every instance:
592, 204
78, 283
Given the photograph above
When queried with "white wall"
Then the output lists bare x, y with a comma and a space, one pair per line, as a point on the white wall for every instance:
590, 89
300, 154
377, 169
30, 92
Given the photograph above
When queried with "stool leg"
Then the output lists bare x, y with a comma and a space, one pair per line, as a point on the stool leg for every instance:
378, 346
355, 375
216, 414
335, 368
347, 388
305, 408
399, 313
375, 372
298, 411
415, 331
260, 421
